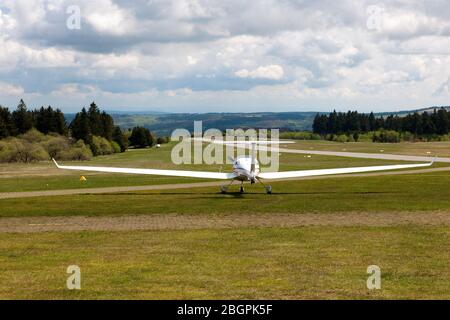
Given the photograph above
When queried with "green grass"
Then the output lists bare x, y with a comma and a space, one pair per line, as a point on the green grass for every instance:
297, 263
413, 192
243, 263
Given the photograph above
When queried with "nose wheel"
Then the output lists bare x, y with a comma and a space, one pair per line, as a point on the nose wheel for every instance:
266, 187
241, 189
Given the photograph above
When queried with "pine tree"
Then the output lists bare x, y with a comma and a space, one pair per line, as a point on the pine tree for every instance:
95, 120
80, 127
107, 124
59, 121
22, 118
6, 123
428, 127
42, 120
320, 124
372, 122
443, 121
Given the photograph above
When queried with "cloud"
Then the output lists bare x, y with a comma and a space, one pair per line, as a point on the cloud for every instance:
443, 89
272, 72
196, 54
7, 89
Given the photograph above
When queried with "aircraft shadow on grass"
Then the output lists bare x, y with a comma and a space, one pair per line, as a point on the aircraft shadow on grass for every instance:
238, 194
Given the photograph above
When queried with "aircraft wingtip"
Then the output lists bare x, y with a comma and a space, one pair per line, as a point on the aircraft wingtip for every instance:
56, 163
434, 160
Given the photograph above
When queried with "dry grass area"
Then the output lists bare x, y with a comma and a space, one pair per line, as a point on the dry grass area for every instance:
227, 221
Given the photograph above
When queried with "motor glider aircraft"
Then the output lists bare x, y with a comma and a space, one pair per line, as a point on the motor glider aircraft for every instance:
245, 169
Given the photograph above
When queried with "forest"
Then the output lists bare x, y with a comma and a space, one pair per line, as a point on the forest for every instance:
41, 134
424, 126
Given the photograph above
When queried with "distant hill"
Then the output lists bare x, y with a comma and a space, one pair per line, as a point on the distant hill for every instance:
406, 112
164, 123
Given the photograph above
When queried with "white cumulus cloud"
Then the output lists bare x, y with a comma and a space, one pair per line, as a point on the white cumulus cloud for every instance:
272, 72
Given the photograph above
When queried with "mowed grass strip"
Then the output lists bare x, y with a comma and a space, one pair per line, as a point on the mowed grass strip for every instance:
400, 193
266, 263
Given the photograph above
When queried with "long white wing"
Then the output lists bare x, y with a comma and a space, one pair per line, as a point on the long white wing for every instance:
321, 172
173, 173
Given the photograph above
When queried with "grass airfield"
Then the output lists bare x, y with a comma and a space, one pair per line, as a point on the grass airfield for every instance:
303, 262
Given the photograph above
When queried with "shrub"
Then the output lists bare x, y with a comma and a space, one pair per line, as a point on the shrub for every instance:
162, 140
78, 151
115, 147
100, 146
7, 151
300, 135
18, 150
35, 146
33, 136
386, 136
56, 145
341, 138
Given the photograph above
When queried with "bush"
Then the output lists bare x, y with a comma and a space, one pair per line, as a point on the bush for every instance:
7, 151
78, 151
162, 140
33, 136
115, 146
386, 136
100, 146
301, 135
35, 146
341, 138
18, 150
56, 145
445, 137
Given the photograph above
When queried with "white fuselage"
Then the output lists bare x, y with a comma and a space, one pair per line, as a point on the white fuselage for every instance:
242, 167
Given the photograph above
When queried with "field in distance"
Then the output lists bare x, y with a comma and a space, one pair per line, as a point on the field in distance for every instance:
430, 149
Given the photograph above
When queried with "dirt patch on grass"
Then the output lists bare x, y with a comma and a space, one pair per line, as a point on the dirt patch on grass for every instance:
230, 221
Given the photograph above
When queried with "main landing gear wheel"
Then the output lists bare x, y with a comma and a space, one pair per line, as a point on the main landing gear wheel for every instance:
242, 189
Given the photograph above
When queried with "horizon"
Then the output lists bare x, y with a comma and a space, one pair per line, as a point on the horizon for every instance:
152, 111
194, 56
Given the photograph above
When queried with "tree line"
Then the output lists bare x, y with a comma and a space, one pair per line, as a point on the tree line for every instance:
21, 121
92, 127
420, 125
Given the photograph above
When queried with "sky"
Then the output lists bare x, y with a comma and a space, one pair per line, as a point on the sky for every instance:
225, 56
